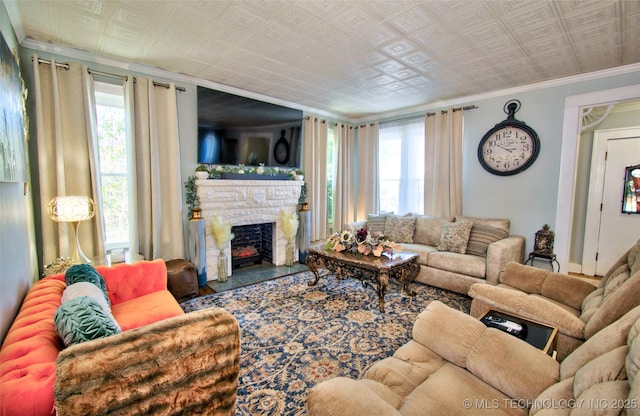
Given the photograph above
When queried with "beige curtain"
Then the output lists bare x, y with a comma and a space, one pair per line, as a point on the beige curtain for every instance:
443, 163
159, 183
315, 171
67, 154
343, 194
367, 171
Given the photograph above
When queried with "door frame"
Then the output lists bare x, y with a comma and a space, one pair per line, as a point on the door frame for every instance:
568, 160
596, 190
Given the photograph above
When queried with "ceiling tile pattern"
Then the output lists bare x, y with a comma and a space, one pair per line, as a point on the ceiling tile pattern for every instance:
353, 58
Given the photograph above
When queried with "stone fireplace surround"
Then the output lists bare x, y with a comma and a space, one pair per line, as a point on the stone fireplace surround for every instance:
244, 202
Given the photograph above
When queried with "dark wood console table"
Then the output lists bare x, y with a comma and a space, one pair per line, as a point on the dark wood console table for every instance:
370, 270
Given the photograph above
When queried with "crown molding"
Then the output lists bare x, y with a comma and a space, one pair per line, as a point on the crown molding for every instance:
390, 115
16, 19
167, 75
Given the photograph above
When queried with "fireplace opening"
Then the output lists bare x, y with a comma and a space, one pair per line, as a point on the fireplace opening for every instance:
252, 244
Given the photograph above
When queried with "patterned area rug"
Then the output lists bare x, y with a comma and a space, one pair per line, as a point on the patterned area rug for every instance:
295, 336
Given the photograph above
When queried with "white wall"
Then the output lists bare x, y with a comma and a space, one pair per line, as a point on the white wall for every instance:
17, 244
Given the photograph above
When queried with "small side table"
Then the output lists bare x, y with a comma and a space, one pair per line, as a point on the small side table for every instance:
538, 334
550, 257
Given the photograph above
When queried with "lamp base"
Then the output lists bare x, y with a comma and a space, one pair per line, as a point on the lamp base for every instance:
78, 256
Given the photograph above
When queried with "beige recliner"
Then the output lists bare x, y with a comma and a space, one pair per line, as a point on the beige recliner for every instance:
578, 308
455, 365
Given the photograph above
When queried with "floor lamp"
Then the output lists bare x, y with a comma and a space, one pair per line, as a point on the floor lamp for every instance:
73, 209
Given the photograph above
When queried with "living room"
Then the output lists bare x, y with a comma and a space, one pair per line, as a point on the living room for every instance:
539, 195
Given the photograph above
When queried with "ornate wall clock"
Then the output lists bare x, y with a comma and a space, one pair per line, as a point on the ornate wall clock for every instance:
281, 150
511, 146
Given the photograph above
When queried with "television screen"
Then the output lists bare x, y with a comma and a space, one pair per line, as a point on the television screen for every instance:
209, 147
238, 130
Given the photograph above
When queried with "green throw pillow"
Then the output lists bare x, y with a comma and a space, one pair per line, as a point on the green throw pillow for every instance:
83, 319
86, 273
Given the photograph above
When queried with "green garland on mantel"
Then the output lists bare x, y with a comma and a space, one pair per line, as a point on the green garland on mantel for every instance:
218, 171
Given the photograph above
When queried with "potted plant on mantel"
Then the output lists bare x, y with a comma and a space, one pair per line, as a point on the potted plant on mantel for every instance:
202, 172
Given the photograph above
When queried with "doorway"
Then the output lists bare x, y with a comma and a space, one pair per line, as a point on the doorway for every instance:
608, 230
568, 161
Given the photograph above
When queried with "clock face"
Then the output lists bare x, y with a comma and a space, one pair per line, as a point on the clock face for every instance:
508, 149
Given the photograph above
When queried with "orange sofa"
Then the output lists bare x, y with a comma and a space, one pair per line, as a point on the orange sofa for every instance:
139, 296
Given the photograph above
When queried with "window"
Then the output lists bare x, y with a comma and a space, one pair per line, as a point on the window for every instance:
401, 166
114, 164
331, 174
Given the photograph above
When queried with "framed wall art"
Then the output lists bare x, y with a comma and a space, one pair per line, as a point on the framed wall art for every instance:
13, 149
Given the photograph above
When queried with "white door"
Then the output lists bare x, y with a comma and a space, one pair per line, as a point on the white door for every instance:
618, 231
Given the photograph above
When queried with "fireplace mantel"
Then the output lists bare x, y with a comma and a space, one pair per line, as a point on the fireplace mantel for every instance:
244, 202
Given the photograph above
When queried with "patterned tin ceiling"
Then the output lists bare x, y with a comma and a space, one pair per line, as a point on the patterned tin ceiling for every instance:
352, 58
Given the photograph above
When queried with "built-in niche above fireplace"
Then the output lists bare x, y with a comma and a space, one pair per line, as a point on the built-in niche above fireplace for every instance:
236, 130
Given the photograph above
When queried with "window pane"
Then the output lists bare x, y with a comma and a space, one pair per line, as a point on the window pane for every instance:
401, 166
331, 169
115, 208
111, 139
114, 175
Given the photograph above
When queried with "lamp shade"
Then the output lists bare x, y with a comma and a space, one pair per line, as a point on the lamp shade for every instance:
71, 208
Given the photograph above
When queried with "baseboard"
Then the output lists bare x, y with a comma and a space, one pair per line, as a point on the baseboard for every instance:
574, 268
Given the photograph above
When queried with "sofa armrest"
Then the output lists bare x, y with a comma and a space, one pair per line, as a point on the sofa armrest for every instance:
516, 368
568, 290
188, 363
534, 307
500, 253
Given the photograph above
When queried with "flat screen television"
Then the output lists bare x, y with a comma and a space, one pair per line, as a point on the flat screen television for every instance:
238, 130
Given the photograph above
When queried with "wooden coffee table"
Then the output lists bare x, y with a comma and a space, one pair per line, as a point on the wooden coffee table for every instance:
370, 270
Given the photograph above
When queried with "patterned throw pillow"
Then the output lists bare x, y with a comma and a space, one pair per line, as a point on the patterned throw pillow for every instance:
400, 229
83, 319
455, 236
481, 236
86, 273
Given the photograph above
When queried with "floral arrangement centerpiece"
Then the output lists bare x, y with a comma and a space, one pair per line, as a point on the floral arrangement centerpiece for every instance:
289, 222
362, 242
221, 232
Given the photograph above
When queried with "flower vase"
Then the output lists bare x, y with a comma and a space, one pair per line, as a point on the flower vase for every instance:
288, 260
222, 267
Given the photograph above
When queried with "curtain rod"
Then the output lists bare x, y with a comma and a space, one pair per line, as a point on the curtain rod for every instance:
106, 74
61, 65
469, 107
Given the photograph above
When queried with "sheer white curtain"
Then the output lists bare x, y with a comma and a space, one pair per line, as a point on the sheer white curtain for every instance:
402, 166
367, 176
67, 154
443, 163
315, 171
343, 194
158, 179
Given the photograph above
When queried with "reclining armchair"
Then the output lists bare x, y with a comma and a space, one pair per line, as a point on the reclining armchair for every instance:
575, 306
455, 365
